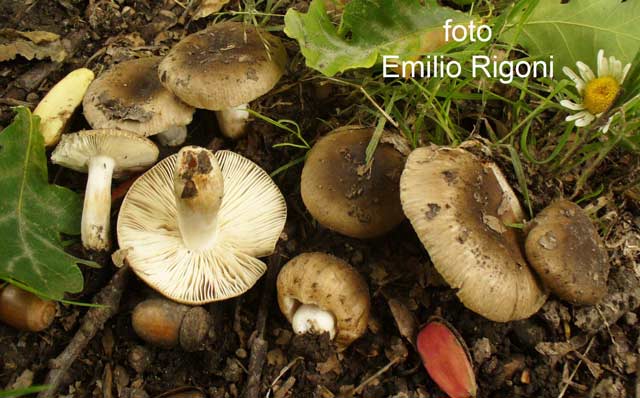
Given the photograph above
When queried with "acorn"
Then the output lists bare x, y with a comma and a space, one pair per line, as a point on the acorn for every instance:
446, 359
24, 310
166, 324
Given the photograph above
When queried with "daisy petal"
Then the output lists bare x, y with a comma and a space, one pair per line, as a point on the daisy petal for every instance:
572, 105
603, 64
585, 71
576, 116
615, 68
574, 77
624, 73
586, 119
606, 126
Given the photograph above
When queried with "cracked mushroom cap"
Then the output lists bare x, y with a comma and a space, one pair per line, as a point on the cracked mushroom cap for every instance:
129, 151
129, 96
460, 208
341, 194
564, 247
226, 65
250, 220
333, 285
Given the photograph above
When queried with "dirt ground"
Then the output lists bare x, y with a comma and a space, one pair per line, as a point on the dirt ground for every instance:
586, 353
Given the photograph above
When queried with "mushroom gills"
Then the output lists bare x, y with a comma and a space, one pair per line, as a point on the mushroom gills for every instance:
97, 204
310, 318
233, 121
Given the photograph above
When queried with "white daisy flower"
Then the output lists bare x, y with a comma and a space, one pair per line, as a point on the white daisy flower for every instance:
598, 93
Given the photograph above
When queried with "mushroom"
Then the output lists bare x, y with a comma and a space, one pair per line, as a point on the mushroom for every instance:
320, 293
129, 97
564, 248
222, 68
103, 154
462, 208
193, 226
345, 195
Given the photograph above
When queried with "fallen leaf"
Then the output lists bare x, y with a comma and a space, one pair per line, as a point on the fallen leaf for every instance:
208, 7
35, 44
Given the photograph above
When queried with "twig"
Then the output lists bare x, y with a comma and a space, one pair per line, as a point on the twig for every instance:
93, 321
575, 370
259, 345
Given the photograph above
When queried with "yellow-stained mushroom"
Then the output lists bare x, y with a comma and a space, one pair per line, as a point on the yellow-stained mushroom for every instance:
319, 293
222, 68
344, 195
564, 247
462, 208
24, 310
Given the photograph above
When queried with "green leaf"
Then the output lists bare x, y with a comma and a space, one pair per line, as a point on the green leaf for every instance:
33, 213
575, 31
369, 30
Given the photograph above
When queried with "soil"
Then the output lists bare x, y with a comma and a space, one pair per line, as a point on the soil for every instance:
583, 356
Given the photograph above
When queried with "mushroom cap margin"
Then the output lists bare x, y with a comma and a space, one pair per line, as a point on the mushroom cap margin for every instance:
460, 209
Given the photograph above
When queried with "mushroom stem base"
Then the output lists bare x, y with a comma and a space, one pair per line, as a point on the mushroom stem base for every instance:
310, 318
97, 204
173, 136
232, 122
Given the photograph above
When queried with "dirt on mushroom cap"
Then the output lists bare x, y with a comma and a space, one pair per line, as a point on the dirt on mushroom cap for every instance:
343, 194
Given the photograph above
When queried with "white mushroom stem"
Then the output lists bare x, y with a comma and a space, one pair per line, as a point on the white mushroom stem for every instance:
310, 318
97, 204
198, 189
173, 136
232, 122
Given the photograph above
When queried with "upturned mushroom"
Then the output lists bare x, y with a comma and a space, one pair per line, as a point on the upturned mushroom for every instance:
193, 226
223, 68
319, 293
461, 209
564, 247
342, 194
130, 97
103, 154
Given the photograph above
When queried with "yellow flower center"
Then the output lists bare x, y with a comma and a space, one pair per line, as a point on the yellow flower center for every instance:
600, 93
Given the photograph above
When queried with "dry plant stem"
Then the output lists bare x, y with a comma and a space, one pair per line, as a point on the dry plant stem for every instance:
93, 321
575, 370
259, 345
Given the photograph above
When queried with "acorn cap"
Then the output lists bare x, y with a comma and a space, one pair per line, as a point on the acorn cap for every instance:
250, 219
129, 151
226, 65
461, 209
130, 97
329, 283
341, 194
564, 247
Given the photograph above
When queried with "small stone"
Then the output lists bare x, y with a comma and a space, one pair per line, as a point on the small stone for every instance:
482, 350
241, 353
139, 358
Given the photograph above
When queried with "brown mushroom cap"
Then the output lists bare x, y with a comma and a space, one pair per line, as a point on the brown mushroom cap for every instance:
565, 249
129, 96
461, 209
342, 195
226, 65
329, 283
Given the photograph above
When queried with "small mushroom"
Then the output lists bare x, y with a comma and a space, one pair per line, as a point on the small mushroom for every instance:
103, 154
166, 323
345, 195
321, 293
193, 226
462, 208
222, 68
564, 248
24, 310
130, 97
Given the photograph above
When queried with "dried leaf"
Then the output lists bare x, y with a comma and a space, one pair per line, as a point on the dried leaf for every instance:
208, 7
35, 44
